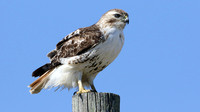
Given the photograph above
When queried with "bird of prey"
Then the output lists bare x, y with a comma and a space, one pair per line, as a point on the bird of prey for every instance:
81, 55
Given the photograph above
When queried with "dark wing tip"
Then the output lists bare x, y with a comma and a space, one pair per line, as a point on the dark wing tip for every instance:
41, 70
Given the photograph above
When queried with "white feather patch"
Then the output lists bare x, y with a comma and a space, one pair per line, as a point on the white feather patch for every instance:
63, 75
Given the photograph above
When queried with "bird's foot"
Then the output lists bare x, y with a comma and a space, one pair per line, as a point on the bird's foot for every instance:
82, 91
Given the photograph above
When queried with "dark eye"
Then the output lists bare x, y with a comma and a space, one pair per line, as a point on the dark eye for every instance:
117, 15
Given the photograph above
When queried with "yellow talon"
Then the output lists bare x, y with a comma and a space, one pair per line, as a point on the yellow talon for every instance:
83, 91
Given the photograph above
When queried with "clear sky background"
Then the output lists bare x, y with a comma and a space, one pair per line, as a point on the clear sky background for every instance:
158, 69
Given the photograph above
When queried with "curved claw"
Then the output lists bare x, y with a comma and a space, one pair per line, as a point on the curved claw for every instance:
93, 90
75, 92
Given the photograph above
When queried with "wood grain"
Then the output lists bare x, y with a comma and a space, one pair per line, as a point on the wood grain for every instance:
96, 102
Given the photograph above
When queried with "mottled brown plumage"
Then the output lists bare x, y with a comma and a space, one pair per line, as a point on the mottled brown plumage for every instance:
77, 43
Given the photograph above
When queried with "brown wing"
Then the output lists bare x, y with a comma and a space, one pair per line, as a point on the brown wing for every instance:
76, 43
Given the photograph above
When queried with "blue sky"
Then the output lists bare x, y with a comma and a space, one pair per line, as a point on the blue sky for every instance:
157, 70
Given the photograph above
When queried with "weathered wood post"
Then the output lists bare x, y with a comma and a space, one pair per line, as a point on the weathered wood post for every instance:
96, 102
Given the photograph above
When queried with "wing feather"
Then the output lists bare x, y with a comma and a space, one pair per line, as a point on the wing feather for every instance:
76, 43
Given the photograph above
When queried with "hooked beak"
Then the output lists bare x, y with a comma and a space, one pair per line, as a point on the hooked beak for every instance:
126, 20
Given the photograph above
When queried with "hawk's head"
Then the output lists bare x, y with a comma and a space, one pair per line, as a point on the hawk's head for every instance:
114, 18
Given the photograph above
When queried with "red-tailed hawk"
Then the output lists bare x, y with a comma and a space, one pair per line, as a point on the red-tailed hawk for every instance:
81, 55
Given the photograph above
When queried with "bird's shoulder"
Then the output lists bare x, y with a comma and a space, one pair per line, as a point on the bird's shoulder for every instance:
87, 33
77, 43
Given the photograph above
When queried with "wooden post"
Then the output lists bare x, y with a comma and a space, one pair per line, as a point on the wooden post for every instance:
96, 102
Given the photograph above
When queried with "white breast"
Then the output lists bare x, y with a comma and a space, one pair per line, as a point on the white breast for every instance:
112, 46
105, 52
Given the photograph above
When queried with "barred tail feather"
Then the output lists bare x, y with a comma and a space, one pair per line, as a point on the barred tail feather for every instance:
38, 84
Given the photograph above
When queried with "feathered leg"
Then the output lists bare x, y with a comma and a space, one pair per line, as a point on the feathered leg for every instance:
93, 88
92, 83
